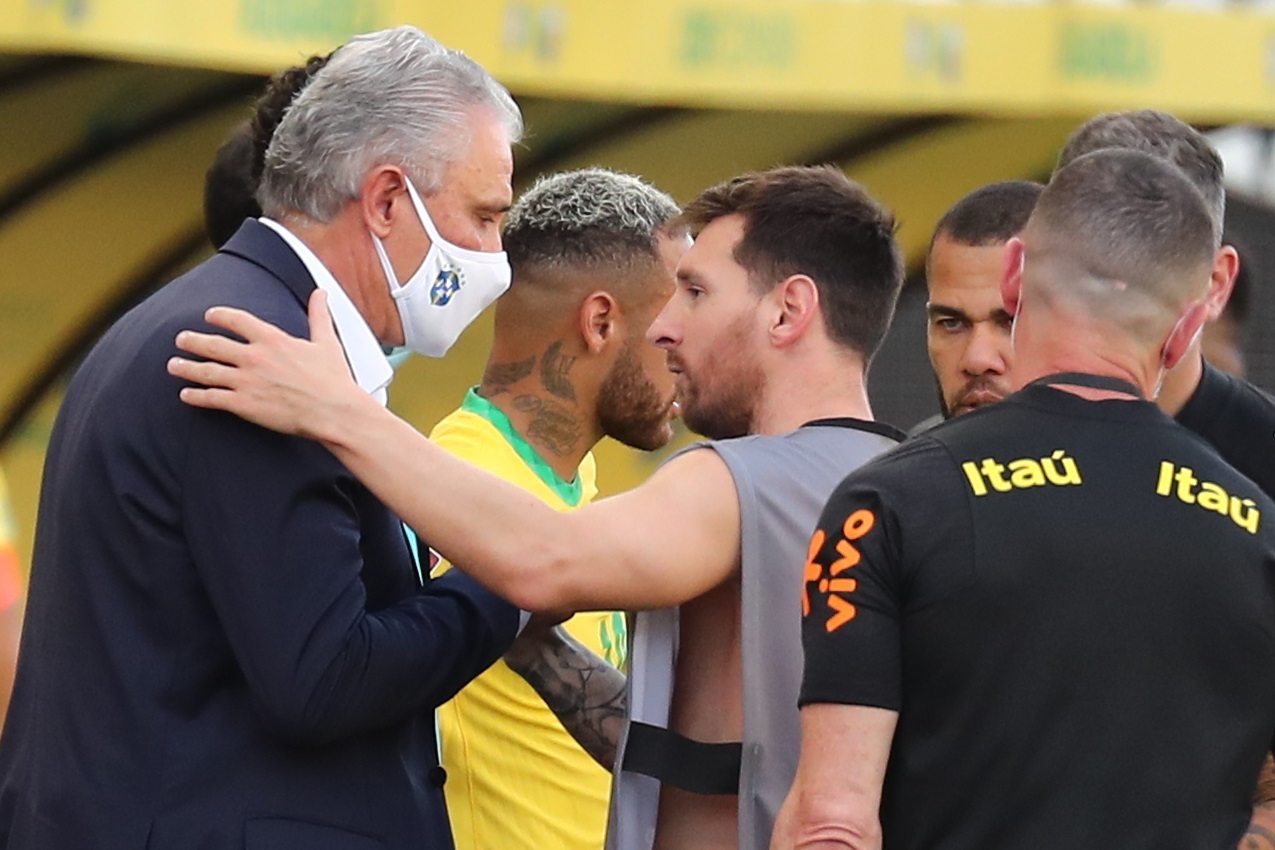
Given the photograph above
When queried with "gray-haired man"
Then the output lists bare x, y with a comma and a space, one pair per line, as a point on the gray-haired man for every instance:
227, 644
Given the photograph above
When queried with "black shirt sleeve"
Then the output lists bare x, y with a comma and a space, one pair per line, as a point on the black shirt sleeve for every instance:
882, 527
1238, 420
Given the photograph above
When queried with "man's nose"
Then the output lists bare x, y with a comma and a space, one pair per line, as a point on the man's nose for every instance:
987, 351
662, 332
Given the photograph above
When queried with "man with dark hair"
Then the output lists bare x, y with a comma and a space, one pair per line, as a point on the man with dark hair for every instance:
280, 92
967, 331
593, 258
779, 306
230, 186
1016, 633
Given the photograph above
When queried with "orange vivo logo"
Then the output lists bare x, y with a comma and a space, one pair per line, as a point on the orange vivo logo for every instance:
833, 583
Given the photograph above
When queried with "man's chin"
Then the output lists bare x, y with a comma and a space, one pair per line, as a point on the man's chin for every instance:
650, 440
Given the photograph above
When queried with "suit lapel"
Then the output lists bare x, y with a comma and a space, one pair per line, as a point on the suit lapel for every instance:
262, 247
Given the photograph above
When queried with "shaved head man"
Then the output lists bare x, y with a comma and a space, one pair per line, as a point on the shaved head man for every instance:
1231, 414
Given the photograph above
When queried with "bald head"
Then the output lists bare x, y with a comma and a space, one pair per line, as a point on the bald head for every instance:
1120, 236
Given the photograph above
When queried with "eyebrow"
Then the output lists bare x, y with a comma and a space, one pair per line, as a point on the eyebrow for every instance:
689, 276
943, 311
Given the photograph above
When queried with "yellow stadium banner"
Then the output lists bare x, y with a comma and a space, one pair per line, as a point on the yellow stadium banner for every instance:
862, 55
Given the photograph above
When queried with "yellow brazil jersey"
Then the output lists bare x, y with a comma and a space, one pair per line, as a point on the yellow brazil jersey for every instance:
515, 778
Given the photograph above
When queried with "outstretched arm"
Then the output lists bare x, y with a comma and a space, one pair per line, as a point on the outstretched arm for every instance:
664, 543
584, 691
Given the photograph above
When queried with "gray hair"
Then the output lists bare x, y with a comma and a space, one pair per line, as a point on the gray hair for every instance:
395, 96
591, 218
1160, 135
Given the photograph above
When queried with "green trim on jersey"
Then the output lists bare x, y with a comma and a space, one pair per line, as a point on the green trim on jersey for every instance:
568, 491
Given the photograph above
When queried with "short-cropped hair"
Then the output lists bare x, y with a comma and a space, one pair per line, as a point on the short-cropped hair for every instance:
989, 215
1129, 219
391, 97
815, 221
587, 220
1162, 135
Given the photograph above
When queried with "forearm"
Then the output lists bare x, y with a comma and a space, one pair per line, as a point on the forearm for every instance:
835, 838
455, 506
585, 692
835, 799
804, 825
602, 557
1260, 834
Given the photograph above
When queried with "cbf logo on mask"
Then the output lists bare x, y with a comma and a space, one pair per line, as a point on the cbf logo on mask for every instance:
450, 289
448, 284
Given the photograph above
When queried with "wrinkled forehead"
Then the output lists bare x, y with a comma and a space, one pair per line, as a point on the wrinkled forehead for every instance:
483, 165
966, 274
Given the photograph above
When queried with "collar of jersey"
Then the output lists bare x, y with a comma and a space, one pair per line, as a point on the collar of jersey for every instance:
568, 491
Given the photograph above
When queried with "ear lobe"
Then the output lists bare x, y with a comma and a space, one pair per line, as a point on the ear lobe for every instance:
1185, 333
599, 320
1012, 277
798, 303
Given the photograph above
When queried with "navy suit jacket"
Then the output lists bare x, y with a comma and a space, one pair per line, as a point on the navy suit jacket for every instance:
226, 643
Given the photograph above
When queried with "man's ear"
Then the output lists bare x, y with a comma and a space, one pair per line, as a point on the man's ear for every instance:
1185, 332
797, 300
1226, 265
600, 319
383, 196
1012, 277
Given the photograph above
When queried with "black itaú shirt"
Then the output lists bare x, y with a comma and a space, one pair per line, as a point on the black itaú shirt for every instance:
1238, 420
1071, 604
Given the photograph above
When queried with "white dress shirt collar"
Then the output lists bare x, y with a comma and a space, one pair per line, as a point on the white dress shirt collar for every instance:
371, 370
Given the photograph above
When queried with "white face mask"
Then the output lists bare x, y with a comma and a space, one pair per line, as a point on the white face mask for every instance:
450, 289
